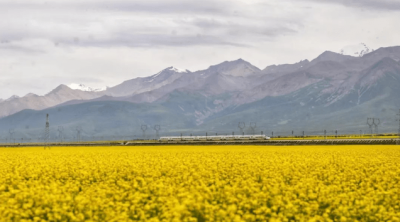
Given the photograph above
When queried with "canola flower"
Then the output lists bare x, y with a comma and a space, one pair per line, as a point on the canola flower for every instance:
200, 183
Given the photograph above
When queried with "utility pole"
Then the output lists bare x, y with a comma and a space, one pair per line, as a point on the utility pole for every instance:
376, 122
47, 133
157, 129
144, 128
78, 133
60, 133
253, 126
241, 126
11, 132
370, 122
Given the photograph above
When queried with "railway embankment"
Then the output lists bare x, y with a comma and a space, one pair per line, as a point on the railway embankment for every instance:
243, 142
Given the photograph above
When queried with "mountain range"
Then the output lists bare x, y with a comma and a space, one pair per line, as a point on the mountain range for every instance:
331, 92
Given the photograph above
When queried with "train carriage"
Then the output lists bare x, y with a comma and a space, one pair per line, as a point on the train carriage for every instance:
214, 138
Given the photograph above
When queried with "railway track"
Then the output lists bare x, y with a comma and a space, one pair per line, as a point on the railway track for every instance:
243, 142
279, 142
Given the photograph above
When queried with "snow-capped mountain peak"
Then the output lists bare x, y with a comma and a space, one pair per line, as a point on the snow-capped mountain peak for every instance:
82, 87
175, 69
357, 50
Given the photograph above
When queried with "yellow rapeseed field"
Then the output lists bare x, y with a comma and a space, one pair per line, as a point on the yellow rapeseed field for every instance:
201, 183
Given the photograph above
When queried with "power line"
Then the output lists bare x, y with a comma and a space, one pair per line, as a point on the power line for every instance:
376, 122
144, 128
60, 133
78, 133
241, 126
370, 122
47, 133
253, 126
157, 129
11, 132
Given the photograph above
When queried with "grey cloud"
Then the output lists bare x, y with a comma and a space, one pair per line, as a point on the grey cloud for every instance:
369, 4
152, 40
148, 26
19, 49
230, 28
160, 6
206, 7
64, 40
221, 34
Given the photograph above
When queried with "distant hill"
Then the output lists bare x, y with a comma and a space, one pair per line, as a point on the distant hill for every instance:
59, 95
330, 92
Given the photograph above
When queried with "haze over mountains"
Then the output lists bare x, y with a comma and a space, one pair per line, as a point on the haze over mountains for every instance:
334, 91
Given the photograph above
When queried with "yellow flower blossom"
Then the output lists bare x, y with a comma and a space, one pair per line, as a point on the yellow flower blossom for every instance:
201, 183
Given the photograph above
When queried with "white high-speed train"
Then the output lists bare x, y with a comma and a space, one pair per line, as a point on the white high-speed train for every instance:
214, 138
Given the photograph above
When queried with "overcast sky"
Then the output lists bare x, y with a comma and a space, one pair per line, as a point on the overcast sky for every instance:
104, 42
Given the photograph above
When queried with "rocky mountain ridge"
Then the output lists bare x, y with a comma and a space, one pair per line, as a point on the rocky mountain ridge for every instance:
300, 95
